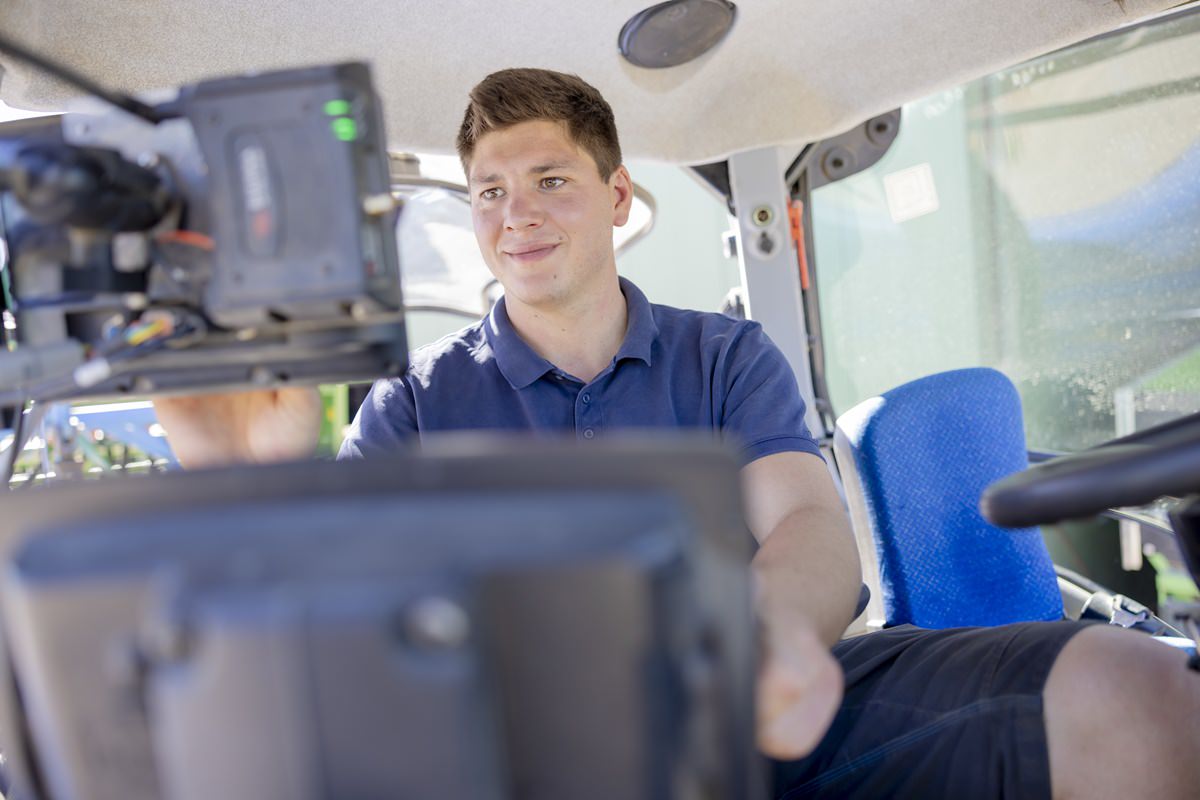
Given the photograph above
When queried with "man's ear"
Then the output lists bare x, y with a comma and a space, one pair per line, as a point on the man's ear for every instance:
622, 192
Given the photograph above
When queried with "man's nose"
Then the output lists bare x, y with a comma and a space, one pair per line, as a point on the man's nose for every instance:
523, 211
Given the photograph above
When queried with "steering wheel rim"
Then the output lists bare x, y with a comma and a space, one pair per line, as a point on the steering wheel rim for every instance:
1131, 471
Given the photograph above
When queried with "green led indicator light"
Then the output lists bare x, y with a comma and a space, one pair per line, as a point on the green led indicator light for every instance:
337, 108
345, 129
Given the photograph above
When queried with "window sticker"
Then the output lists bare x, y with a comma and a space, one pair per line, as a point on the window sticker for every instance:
911, 193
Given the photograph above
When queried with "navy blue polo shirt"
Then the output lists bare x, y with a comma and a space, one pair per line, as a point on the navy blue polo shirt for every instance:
675, 369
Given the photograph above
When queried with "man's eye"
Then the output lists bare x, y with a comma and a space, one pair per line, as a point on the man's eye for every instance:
552, 183
491, 194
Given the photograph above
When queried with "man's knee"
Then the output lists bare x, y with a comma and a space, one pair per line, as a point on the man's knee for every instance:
1102, 660
1122, 713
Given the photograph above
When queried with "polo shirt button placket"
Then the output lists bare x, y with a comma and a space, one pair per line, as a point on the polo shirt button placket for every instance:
586, 412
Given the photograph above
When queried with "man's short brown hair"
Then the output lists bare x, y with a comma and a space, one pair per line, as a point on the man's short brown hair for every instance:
512, 96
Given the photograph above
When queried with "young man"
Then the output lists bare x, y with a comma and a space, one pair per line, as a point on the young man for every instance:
1029, 710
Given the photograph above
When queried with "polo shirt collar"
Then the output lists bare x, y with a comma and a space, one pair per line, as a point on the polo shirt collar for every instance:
521, 366
641, 329
517, 361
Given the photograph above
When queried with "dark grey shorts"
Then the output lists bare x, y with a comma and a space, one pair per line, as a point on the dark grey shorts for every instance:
953, 713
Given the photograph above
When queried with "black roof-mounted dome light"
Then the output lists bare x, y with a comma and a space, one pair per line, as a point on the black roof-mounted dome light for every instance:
675, 32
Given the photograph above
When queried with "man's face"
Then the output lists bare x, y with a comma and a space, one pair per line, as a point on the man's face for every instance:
543, 216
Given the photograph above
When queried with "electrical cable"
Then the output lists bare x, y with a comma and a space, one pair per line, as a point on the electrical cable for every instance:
7, 304
26, 422
76, 302
67, 75
187, 238
17, 445
49, 388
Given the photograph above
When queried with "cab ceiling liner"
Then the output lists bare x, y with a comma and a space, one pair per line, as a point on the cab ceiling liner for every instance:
789, 71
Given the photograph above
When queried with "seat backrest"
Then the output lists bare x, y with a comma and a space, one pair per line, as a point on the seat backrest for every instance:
915, 461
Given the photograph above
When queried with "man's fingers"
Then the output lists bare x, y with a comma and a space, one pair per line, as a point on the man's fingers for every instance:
285, 426
796, 704
256, 426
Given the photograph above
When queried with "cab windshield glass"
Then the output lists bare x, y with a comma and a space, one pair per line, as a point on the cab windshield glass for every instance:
1045, 221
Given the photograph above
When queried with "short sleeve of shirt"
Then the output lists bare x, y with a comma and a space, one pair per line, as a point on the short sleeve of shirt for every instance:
762, 412
386, 421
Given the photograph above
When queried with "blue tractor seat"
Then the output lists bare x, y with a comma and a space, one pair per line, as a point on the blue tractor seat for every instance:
915, 461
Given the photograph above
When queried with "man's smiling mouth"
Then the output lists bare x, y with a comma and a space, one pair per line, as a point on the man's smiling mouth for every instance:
531, 252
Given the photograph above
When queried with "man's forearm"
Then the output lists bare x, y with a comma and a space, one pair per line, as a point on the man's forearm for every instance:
808, 569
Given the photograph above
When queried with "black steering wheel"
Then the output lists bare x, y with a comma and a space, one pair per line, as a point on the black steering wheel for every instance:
1131, 471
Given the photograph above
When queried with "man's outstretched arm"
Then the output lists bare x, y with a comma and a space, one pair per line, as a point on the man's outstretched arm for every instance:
809, 576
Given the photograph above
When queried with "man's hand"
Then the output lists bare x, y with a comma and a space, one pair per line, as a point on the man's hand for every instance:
242, 427
799, 691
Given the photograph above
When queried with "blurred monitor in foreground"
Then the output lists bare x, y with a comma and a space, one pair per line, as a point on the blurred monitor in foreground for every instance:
498, 620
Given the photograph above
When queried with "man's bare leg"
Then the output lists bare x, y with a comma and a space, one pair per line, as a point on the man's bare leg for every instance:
1122, 719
